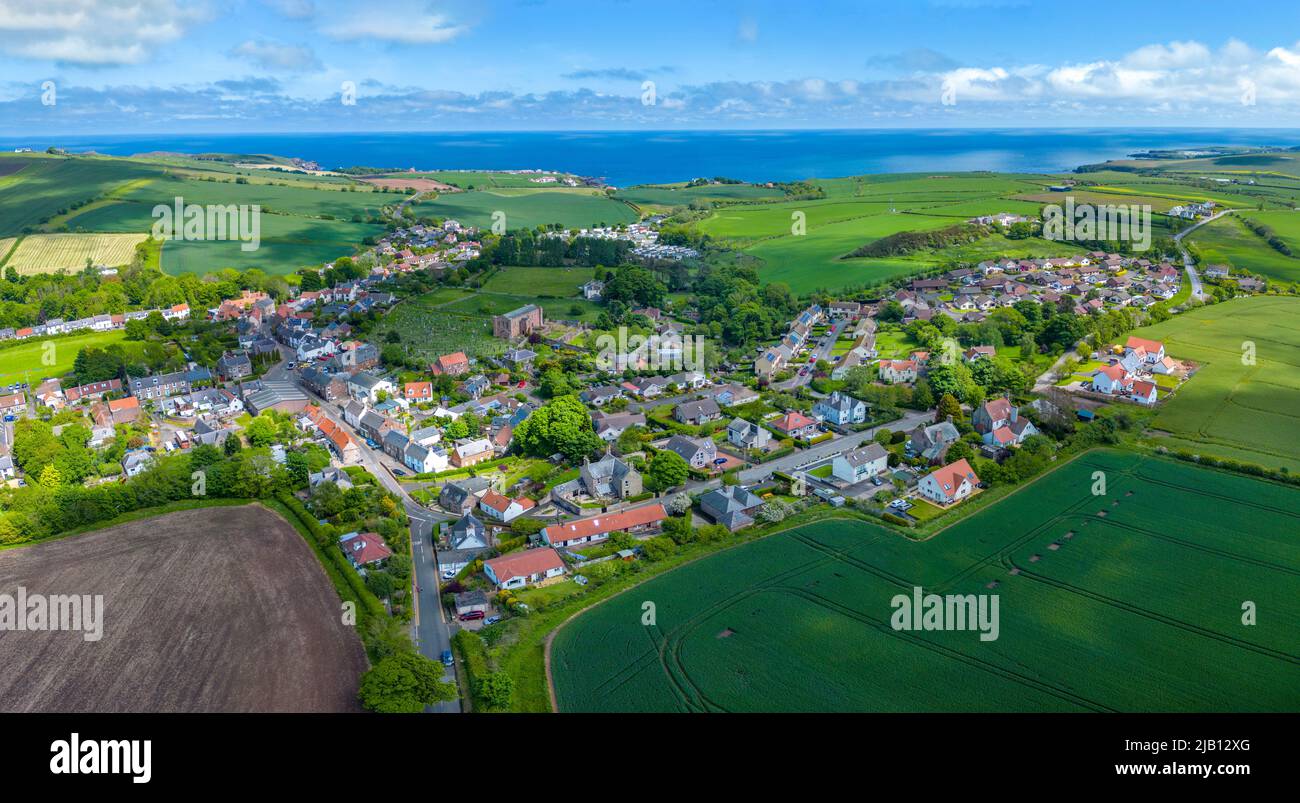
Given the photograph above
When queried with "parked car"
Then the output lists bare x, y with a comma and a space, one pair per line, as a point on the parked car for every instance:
465, 617
491, 620
447, 660
398, 472
876, 482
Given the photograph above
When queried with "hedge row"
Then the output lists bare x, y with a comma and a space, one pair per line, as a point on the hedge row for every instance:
332, 559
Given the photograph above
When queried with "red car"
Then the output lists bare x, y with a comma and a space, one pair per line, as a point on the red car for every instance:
465, 617
522, 382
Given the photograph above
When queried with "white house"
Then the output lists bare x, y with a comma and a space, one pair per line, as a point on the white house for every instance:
949, 484
502, 508
860, 464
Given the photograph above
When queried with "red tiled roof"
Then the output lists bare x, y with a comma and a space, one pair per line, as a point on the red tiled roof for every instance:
367, 548
950, 476
525, 564
1150, 346
636, 517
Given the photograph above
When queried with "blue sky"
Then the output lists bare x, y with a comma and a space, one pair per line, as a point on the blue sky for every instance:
131, 66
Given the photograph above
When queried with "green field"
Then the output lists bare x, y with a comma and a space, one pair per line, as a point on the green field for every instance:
554, 282
1246, 412
527, 210
670, 195
34, 186
1227, 241
25, 362
1138, 609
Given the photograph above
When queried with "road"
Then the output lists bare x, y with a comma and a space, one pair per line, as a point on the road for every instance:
822, 451
1188, 263
820, 353
429, 628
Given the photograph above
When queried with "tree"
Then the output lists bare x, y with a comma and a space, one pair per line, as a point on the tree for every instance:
563, 425
404, 683
496, 690
666, 470
948, 407
261, 431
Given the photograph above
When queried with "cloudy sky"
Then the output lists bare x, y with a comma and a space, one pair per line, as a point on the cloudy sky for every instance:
161, 66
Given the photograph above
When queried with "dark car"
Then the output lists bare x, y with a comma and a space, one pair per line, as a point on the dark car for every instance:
447, 660
399, 472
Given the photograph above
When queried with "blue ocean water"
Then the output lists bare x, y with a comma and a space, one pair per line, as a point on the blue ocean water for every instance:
635, 157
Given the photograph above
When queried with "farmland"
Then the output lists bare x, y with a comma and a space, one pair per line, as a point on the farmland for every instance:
44, 184
1230, 408
1130, 601
47, 253
22, 361
1227, 241
189, 622
527, 209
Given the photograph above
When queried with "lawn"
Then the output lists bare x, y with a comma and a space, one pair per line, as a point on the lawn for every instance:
551, 282
1248, 412
26, 361
1126, 611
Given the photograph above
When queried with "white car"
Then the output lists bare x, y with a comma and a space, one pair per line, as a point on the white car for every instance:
449, 575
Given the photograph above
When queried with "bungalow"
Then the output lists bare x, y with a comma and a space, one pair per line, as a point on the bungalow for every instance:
698, 453
502, 508
598, 528
731, 506
975, 353
895, 371
609, 426
796, 425
519, 569
364, 549
647, 387
747, 435
124, 411
330, 474
733, 395
949, 484
841, 409
601, 395
697, 412
135, 462
860, 464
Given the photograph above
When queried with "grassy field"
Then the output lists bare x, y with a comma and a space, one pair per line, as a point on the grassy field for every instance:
47, 253
1126, 602
34, 186
25, 361
1247, 412
665, 196
526, 210
1227, 241
555, 282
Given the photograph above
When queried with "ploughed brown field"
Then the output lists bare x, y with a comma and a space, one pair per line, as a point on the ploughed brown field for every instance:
214, 609
421, 184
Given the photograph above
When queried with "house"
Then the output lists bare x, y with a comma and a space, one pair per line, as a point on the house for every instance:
471, 452
841, 409
16, 404
330, 474
731, 506
592, 290
467, 532
1112, 380
159, 386
932, 442
93, 390
796, 425
1152, 351
1000, 423
502, 508
747, 435
454, 364
364, 549
975, 353
609, 478
417, 391
601, 395
698, 453
1143, 392
697, 412
518, 323
122, 411
424, 459
461, 496
519, 569
135, 462
860, 464
949, 484
476, 386
733, 395
647, 387
234, 365
609, 426
771, 361
598, 528
324, 384
519, 359
896, 371
366, 387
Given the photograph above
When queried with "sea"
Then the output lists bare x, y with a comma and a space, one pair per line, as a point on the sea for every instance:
624, 158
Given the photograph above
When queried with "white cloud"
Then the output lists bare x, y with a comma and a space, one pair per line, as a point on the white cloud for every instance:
400, 25
93, 32
272, 55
